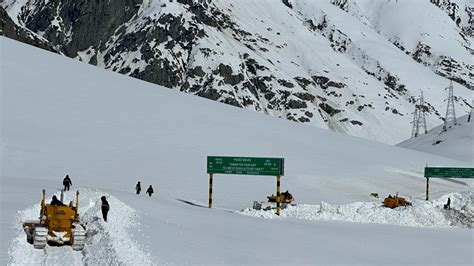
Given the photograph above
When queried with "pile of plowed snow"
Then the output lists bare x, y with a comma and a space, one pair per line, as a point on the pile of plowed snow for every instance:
106, 243
421, 214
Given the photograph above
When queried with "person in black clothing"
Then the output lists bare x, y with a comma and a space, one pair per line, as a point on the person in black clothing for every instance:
56, 202
448, 204
105, 207
138, 187
67, 183
149, 191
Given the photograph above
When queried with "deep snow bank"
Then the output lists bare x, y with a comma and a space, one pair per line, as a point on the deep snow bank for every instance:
107, 243
420, 214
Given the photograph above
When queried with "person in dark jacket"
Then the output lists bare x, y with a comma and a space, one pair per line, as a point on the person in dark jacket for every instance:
56, 202
67, 183
448, 204
138, 187
105, 207
149, 191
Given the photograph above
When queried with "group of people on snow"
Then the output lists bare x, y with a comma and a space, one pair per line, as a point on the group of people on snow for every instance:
67, 183
105, 207
138, 188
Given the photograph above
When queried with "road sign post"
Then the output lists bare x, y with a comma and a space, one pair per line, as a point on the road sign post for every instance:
210, 190
245, 166
427, 186
278, 196
446, 172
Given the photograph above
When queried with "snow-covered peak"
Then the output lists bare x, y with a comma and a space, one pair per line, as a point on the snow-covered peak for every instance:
351, 66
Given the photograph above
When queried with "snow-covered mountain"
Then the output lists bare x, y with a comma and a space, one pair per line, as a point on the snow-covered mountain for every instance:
457, 142
353, 66
58, 117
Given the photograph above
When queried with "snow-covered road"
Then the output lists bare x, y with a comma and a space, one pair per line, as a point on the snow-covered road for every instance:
107, 242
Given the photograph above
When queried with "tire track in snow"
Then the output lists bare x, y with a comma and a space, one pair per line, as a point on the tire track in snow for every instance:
107, 243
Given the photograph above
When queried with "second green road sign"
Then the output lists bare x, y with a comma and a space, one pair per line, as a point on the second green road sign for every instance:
449, 172
245, 165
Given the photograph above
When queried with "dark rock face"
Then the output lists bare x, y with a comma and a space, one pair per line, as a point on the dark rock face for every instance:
84, 23
325, 83
287, 3
79, 17
296, 104
9, 29
329, 109
422, 51
357, 123
227, 73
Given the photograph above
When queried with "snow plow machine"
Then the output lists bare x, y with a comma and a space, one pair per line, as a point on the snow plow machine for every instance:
58, 225
395, 201
284, 197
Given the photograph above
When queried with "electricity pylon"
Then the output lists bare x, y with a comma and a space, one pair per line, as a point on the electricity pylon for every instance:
450, 113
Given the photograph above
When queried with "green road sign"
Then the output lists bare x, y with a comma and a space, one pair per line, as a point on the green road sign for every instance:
449, 172
245, 165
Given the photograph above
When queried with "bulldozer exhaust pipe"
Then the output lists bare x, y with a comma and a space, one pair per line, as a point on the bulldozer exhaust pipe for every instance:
43, 203
77, 204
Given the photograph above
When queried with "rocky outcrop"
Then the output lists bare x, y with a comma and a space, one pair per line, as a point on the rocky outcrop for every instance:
462, 13
9, 29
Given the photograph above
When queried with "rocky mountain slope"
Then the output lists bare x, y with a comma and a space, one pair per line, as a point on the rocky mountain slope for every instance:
10, 29
353, 66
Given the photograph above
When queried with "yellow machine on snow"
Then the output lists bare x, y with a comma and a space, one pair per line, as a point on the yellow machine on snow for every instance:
57, 224
395, 201
285, 197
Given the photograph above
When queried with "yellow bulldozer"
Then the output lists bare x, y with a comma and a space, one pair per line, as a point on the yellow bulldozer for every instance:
395, 201
285, 197
58, 224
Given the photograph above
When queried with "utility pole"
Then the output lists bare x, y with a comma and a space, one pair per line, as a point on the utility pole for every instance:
450, 113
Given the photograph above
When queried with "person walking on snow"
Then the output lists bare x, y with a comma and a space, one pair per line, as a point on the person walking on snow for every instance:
105, 207
67, 183
149, 191
138, 187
